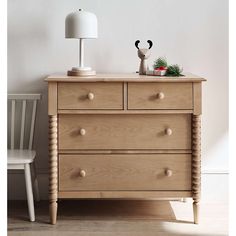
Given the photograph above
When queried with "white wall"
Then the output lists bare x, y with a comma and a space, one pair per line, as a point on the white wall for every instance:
192, 33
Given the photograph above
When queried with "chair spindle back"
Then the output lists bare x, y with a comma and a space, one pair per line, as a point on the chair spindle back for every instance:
24, 99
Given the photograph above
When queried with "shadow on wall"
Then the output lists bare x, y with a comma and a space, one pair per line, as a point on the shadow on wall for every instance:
215, 127
26, 48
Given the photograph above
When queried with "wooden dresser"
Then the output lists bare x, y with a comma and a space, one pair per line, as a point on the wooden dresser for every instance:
124, 136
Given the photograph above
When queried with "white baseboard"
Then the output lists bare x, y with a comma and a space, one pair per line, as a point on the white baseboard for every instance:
214, 185
214, 171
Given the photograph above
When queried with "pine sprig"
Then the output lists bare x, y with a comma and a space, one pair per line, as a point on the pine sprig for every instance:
171, 70
161, 61
174, 70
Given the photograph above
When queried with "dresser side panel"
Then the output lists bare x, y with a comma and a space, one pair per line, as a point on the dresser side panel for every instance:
52, 98
197, 98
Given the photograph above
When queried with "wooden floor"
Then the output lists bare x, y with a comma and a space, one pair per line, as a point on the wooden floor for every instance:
130, 218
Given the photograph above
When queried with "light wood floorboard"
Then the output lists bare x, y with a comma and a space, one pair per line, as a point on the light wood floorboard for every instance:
117, 217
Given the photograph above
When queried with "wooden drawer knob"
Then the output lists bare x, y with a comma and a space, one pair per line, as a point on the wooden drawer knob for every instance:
91, 96
168, 131
168, 172
82, 173
82, 132
160, 95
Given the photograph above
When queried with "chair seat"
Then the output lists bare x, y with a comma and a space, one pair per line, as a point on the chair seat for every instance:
18, 156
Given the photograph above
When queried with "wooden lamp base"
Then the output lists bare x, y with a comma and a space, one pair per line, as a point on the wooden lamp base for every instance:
81, 72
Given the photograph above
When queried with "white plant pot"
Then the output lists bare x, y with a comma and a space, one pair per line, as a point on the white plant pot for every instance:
159, 72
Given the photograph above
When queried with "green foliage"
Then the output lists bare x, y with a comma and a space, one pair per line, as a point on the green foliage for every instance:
174, 70
161, 61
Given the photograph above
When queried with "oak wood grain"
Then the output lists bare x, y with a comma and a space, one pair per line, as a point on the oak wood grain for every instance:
160, 96
127, 151
53, 163
129, 77
125, 112
125, 131
52, 98
196, 165
125, 172
120, 133
197, 98
124, 194
76, 96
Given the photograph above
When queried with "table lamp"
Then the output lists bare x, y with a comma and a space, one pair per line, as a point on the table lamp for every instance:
81, 25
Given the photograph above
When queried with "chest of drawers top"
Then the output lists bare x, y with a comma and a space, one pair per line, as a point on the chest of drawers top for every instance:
129, 77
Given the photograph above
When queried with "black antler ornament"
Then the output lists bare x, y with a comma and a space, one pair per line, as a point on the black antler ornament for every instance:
136, 43
150, 44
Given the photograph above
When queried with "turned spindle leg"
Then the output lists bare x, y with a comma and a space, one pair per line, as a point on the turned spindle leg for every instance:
196, 165
53, 168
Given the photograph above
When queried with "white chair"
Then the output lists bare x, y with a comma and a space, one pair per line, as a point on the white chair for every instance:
22, 109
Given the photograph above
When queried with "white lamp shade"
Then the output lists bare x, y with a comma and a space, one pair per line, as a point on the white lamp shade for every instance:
81, 24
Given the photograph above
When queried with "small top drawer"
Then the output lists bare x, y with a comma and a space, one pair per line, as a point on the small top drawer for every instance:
160, 96
90, 95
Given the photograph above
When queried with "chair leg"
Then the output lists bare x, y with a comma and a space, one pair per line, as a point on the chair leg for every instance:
29, 192
35, 183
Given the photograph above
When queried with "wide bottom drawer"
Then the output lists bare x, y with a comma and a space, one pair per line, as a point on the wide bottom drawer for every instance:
125, 172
